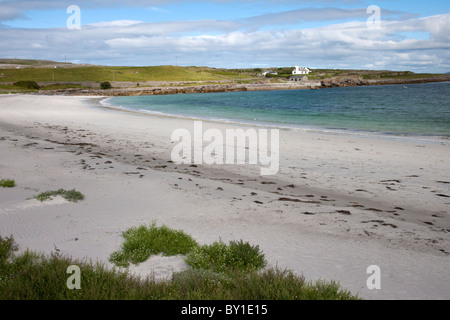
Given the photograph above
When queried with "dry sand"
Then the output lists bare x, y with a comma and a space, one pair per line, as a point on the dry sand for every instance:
339, 203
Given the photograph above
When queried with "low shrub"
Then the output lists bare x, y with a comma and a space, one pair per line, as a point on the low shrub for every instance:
143, 241
69, 195
7, 249
105, 85
33, 276
220, 257
27, 84
7, 183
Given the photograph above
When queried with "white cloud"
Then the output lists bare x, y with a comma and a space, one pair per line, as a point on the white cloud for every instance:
223, 43
117, 23
321, 14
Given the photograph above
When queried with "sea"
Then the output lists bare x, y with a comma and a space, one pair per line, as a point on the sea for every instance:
413, 111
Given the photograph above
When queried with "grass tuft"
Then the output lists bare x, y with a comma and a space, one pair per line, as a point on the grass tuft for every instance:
220, 257
69, 195
143, 241
32, 276
7, 249
7, 183
27, 84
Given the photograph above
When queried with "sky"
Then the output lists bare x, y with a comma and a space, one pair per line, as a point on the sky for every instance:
346, 34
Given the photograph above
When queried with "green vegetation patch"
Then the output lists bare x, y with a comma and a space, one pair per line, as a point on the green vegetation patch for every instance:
220, 257
142, 242
127, 74
69, 195
32, 276
60, 86
29, 62
269, 284
105, 85
7, 183
7, 249
27, 84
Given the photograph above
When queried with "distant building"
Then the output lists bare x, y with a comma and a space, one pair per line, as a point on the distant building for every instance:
301, 70
298, 78
271, 72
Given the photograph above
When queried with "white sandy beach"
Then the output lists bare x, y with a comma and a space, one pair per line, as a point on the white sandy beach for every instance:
338, 204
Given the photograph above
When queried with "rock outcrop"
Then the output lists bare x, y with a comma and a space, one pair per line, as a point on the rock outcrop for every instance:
347, 81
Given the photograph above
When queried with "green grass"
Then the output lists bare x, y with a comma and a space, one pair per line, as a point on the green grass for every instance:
172, 73
103, 73
45, 87
62, 86
29, 62
33, 276
399, 75
27, 84
69, 195
223, 258
16, 88
142, 242
7, 183
320, 74
218, 270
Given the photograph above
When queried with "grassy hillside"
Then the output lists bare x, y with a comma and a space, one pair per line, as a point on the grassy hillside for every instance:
13, 70
29, 62
368, 74
133, 74
320, 74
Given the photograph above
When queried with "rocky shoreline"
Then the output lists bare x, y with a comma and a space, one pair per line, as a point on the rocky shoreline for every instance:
349, 81
180, 88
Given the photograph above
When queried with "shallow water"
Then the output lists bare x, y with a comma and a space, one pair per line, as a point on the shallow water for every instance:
411, 110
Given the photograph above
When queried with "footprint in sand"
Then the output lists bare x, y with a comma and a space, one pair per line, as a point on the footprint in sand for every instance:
346, 212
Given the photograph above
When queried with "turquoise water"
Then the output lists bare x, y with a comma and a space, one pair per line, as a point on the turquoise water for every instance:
415, 109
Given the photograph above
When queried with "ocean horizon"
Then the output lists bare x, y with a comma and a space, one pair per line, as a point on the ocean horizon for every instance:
418, 111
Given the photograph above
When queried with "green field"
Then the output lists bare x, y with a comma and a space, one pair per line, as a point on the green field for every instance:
72, 75
368, 74
321, 74
131, 74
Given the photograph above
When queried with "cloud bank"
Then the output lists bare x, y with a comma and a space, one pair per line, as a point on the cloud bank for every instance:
402, 42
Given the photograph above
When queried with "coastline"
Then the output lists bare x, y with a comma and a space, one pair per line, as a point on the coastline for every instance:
160, 88
103, 103
352, 201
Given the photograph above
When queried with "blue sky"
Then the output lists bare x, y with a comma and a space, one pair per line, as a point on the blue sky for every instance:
412, 35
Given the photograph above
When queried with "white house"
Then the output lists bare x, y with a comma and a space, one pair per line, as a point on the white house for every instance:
302, 70
265, 72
